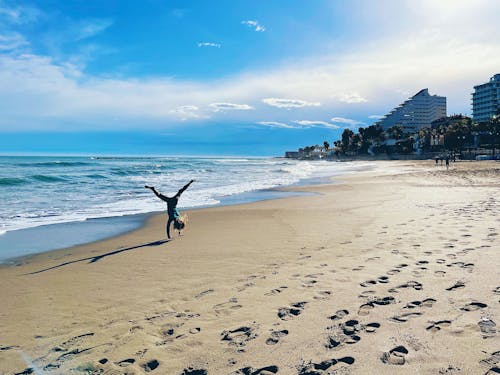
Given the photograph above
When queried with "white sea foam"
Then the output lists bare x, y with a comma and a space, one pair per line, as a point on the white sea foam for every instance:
119, 190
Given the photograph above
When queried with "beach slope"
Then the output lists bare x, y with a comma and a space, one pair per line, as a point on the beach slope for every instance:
392, 271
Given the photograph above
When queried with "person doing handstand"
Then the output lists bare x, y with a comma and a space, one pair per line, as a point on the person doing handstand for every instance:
173, 213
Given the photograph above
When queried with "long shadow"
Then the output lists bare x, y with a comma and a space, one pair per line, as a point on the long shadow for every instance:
99, 257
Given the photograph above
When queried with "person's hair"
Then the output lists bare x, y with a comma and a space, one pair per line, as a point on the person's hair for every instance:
178, 224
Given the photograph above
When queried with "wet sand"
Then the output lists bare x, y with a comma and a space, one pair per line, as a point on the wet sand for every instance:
393, 271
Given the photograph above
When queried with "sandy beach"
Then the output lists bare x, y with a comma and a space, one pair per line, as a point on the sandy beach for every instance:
392, 271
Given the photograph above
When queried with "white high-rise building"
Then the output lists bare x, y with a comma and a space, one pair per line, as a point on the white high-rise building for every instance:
416, 113
486, 99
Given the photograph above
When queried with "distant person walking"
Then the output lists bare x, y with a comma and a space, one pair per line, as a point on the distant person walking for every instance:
173, 214
447, 162
437, 159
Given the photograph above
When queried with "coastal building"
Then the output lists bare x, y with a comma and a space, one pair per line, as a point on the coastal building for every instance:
417, 112
486, 99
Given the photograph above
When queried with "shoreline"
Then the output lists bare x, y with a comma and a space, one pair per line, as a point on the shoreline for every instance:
132, 222
276, 285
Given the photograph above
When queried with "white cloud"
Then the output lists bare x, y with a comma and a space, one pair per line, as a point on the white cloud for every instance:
209, 44
254, 25
220, 107
349, 121
352, 97
289, 103
37, 91
375, 117
276, 124
89, 28
322, 124
19, 14
13, 41
188, 112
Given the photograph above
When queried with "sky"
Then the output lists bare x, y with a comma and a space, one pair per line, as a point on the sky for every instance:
228, 77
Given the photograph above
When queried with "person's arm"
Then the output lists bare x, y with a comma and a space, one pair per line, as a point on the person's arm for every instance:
183, 188
159, 195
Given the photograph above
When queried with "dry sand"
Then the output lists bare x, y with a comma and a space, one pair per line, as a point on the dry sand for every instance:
388, 272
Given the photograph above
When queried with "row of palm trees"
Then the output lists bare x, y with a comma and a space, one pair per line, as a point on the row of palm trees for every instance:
454, 133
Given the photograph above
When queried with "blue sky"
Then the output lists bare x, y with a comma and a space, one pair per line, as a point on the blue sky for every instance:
228, 77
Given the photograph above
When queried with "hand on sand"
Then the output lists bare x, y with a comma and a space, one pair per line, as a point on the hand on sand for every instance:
149, 187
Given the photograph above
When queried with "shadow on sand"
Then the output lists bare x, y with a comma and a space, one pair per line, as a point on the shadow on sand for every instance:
99, 257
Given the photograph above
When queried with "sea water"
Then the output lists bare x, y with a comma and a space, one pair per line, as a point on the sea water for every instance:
37, 192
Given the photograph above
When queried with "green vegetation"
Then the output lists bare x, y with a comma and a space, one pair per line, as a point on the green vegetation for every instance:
453, 134
449, 134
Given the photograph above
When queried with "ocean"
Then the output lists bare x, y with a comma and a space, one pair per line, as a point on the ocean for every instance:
54, 202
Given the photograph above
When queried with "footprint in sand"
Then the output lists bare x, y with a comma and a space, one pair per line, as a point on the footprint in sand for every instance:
276, 336
323, 294
368, 283
473, 306
493, 371
193, 371
286, 313
488, 327
325, 366
125, 362
268, 370
428, 302
204, 293
27, 371
365, 308
228, 307
457, 285
239, 336
437, 326
403, 318
372, 327
276, 291
393, 271
408, 285
492, 360
395, 356
339, 314
450, 370
150, 365
348, 333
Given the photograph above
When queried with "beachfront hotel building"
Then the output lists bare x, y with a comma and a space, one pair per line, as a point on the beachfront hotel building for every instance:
486, 99
417, 112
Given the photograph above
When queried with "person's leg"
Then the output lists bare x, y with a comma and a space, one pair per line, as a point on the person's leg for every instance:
170, 220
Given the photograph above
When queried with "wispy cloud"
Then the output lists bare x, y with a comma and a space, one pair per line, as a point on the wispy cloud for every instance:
352, 97
188, 112
58, 93
19, 14
13, 41
91, 27
209, 44
321, 124
220, 107
254, 25
289, 103
349, 121
276, 124
375, 117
